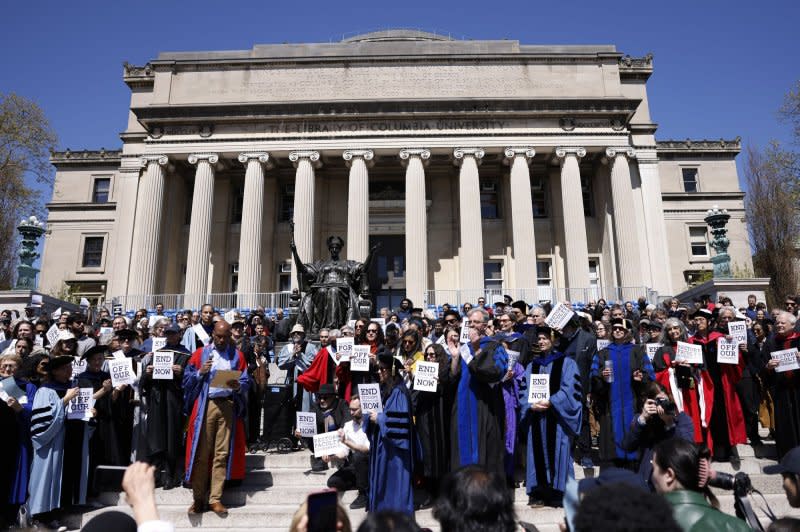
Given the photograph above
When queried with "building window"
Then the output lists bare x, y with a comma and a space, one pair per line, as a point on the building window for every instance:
101, 190
93, 252
698, 241
689, 179
493, 275
286, 212
234, 277
285, 277
588, 196
544, 280
594, 278
489, 203
237, 196
539, 196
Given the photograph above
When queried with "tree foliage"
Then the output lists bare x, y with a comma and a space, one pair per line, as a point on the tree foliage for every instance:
26, 140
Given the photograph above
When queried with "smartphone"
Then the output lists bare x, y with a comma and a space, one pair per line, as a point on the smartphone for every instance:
322, 511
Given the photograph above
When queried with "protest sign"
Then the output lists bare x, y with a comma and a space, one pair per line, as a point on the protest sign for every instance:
38, 340
78, 367
602, 344
465, 353
652, 349
425, 379
81, 406
327, 444
513, 357
9, 388
727, 352
116, 310
539, 389
464, 331
307, 424
105, 336
691, 353
738, 329
559, 316
201, 334
121, 371
52, 335
359, 358
158, 344
787, 359
344, 346
230, 316
162, 366
370, 395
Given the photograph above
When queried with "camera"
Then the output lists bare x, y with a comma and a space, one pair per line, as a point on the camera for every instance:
668, 406
739, 484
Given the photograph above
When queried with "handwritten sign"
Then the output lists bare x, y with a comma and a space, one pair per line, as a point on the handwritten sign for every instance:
106, 334
359, 359
465, 353
52, 335
727, 352
370, 395
652, 349
201, 334
327, 444
559, 316
230, 316
425, 378
81, 406
307, 424
162, 366
159, 344
121, 371
691, 353
787, 359
78, 367
464, 331
738, 329
539, 389
602, 344
344, 346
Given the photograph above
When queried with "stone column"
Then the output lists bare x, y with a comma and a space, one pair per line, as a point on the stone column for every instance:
304, 162
358, 203
251, 228
147, 229
575, 245
523, 238
629, 258
416, 224
470, 254
198, 255
658, 251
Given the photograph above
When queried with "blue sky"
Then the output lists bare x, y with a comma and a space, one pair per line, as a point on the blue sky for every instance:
721, 68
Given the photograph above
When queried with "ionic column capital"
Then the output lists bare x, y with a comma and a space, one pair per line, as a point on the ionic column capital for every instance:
577, 151
161, 160
625, 151
349, 155
460, 153
311, 155
262, 157
521, 151
211, 158
407, 153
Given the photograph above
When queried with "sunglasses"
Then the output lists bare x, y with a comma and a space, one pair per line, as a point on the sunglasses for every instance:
373, 331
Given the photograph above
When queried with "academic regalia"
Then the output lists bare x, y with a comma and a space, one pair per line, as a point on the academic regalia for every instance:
48, 429
393, 449
726, 426
511, 403
616, 401
549, 434
195, 399
432, 421
477, 420
321, 371
192, 342
126, 413
15, 448
785, 390
103, 448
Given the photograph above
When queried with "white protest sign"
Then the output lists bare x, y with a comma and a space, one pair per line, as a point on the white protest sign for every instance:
425, 378
38, 340
307, 424
81, 406
106, 334
121, 371
327, 444
201, 333
151, 320
162, 366
442, 340
727, 352
370, 395
158, 344
52, 335
78, 367
465, 353
344, 346
602, 344
559, 316
119, 354
738, 329
691, 353
464, 331
57, 314
359, 358
513, 357
230, 316
539, 389
652, 349
787, 359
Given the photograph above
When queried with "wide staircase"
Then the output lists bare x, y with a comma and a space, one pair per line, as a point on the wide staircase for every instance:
276, 484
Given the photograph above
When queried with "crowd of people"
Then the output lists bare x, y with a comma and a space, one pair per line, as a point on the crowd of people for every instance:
653, 390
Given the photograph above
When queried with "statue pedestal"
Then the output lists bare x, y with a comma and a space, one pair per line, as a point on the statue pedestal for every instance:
736, 289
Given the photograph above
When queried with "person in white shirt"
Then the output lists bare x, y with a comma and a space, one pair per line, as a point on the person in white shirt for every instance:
355, 472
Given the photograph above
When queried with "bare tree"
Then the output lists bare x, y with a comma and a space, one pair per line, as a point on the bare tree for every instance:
26, 140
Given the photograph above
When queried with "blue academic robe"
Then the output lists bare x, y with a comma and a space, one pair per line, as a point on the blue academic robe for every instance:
549, 434
19, 487
392, 452
48, 428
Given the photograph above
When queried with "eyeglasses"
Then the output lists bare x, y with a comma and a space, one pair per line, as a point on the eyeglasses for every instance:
408, 342
8, 366
451, 321
359, 326
373, 331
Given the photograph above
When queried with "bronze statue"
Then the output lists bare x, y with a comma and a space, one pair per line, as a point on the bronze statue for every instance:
331, 288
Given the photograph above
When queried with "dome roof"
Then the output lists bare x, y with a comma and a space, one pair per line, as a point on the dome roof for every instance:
397, 35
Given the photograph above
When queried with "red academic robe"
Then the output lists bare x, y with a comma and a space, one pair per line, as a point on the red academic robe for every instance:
317, 373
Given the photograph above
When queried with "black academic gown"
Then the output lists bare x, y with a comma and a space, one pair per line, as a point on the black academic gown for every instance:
785, 390
432, 415
124, 412
103, 448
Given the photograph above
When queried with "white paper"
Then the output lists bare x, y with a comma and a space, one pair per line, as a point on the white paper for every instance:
344, 346
162, 366
738, 329
38, 340
84, 303
307, 424
425, 377
201, 333
465, 353
57, 314
106, 334
10, 389
787, 359
691, 353
121, 371
151, 320
230, 316
652, 349
359, 359
559, 316
327, 444
52, 335
602, 344
158, 344
539, 389
464, 331
513, 357
119, 354
78, 367
370, 395
727, 352
81, 406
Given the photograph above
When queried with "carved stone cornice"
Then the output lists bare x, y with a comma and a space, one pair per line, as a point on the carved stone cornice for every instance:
311, 155
138, 76
407, 153
349, 155
689, 145
262, 157
512, 152
159, 159
460, 153
636, 67
85, 157
212, 158
625, 151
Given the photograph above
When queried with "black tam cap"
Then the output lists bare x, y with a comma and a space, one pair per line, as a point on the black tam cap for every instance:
521, 306
390, 361
547, 331
59, 361
125, 334
94, 350
702, 313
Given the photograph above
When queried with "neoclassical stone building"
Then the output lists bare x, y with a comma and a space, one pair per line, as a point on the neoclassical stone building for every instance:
480, 166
